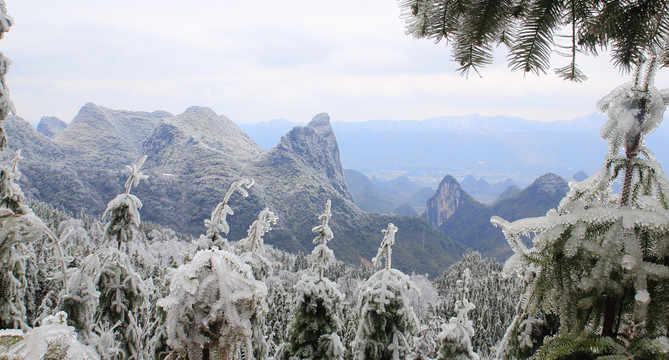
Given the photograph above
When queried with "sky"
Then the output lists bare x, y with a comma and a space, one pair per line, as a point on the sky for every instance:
259, 60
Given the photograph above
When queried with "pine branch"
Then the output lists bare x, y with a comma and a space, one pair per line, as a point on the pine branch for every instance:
482, 27
533, 47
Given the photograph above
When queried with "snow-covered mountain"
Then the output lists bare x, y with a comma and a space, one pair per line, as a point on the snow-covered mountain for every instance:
193, 157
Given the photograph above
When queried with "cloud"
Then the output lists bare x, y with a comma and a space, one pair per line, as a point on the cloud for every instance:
260, 60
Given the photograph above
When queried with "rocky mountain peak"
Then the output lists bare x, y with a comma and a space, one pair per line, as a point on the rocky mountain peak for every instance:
445, 202
551, 185
50, 126
216, 131
315, 147
321, 123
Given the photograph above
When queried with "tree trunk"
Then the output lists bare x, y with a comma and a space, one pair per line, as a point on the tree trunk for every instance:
609, 316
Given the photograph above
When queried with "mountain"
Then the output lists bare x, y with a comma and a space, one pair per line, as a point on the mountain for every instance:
484, 191
366, 194
192, 159
511, 190
467, 221
580, 176
50, 126
492, 147
374, 195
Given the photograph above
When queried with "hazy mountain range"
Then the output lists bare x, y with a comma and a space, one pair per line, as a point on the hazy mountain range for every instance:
194, 156
493, 148
192, 159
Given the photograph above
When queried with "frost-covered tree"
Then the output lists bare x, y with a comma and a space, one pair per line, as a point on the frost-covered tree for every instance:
599, 265
456, 335
218, 223
123, 210
19, 226
215, 302
105, 291
251, 249
209, 309
425, 346
387, 322
52, 340
313, 334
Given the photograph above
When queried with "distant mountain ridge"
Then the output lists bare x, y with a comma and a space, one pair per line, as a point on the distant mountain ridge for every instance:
495, 148
467, 221
193, 157
392, 196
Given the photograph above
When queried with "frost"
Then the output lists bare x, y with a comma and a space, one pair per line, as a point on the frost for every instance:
211, 302
218, 222
599, 248
387, 322
456, 335
123, 210
53, 338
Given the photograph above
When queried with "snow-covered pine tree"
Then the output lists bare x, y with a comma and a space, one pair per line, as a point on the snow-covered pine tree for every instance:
598, 269
218, 223
387, 322
106, 292
456, 336
214, 297
313, 333
251, 249
51, 340
19, 226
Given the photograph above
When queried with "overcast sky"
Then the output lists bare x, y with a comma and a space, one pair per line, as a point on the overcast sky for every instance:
260, 60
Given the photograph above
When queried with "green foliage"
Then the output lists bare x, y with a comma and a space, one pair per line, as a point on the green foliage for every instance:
313, 333
588, 346
599, 262
532, 30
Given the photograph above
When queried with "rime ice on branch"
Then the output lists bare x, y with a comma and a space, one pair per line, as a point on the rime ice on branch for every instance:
218, 222
598, 263
456, 335
123, 210
386, 320
322, 255
386, 247
313, 334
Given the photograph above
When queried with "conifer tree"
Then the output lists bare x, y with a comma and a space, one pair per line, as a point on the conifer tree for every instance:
456, 335
251, 249
599, 269
105, 291
386, 321
313, 334
19, 227
218, 223
532, 30
214, 297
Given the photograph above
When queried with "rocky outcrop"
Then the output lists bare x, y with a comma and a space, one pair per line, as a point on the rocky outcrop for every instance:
467, 221
50, 126
313, 147
445, 202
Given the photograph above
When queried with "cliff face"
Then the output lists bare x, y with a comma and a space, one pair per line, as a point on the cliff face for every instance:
315, 149
445, 202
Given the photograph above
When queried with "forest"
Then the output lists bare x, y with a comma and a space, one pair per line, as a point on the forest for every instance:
588, 280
